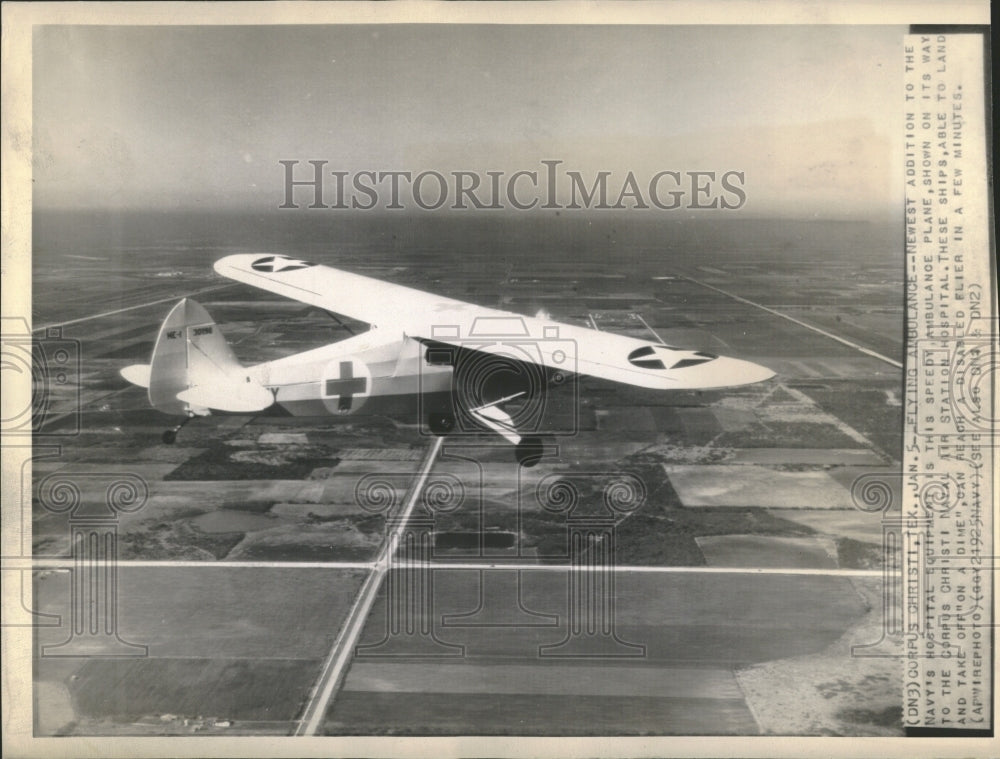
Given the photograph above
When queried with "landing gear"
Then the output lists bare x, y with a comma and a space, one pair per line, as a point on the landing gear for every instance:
529, 451
170, 436
440, 423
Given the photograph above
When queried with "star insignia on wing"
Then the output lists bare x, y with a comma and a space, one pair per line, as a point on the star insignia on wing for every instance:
275, 264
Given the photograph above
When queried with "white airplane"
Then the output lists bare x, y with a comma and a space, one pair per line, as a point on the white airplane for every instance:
464, 364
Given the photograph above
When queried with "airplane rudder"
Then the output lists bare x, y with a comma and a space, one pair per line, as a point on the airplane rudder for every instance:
168, 371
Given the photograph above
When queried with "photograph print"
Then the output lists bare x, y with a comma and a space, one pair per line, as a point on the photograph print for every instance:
430, 379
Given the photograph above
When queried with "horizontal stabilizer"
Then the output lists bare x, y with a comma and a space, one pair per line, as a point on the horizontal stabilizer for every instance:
237, 397
137, 374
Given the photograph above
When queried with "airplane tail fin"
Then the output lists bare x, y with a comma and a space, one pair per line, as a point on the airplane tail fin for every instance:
193, 369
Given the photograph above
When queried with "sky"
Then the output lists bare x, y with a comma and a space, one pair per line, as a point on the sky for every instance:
199, 117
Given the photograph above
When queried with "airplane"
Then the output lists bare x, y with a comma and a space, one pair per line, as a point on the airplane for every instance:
468, 366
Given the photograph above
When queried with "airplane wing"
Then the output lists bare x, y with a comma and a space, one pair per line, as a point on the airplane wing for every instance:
437, 319
363, 298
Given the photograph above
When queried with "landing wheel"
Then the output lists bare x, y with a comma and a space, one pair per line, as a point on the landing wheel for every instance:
529, 451
441, 424
170, 436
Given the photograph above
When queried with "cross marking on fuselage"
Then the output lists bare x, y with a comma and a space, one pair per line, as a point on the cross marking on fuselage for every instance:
346, 386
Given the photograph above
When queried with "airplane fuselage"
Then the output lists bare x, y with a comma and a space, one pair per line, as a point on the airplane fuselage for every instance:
342, 378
